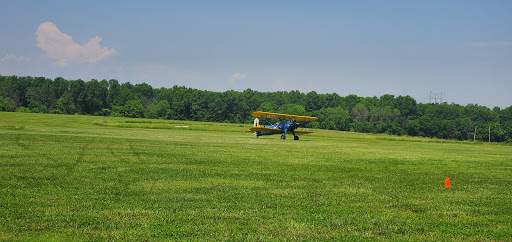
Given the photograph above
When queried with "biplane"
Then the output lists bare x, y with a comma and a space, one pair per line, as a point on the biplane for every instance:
287, 123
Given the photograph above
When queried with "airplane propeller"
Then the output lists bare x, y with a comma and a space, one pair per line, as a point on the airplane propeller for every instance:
294, 125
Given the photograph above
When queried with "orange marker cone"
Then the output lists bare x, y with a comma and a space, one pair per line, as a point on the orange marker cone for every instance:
447, 182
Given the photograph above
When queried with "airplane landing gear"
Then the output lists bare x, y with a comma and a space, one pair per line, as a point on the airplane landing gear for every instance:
283, 137
296, 138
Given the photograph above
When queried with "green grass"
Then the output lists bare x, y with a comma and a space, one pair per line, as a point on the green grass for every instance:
104, 178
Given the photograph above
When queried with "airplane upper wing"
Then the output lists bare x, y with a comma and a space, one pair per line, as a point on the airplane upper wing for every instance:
268, 130
285, 116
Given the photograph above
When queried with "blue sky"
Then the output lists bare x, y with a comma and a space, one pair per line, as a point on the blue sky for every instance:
367, 48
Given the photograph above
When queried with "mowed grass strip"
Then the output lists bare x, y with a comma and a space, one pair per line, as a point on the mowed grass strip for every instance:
102, 178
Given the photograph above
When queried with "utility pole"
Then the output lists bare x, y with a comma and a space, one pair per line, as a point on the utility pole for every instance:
489, 134
474, 134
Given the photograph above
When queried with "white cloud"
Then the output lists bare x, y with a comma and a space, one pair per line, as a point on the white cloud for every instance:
9, 58
237, 76
63, 49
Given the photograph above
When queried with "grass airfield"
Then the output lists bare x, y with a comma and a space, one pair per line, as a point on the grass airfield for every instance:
104, 178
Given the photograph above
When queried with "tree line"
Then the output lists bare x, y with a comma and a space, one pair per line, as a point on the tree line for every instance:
400, 115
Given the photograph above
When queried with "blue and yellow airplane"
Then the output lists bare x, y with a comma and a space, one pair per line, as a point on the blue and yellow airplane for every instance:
288, 123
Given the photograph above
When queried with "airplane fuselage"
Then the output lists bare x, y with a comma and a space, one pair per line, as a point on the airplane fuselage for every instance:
285, 126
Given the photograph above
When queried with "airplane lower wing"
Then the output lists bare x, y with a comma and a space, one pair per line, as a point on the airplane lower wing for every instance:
276, 131
262, 129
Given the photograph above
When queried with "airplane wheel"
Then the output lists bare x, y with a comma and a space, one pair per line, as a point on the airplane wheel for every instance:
283, 137
296, 138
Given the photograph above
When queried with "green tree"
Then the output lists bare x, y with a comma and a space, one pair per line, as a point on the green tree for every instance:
478, 113
144, 92
407, 106
267, 107
114, 90
6, 104
95, 96
333, 118
350, 102
292, 109
157, 110
448, 130
312, 101
413, 128
332, 100
162, 108
133, 109
198, 106
498, 134
181, 105
386, 117
65, 104
391, 128
386, 100
59, 86
78, 95
297, 97
429, 127
507, 130
216, 107
360, 115
463, 126
125, 94
505, 115
40, 96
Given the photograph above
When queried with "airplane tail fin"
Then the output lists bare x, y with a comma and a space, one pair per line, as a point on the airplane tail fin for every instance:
256, 122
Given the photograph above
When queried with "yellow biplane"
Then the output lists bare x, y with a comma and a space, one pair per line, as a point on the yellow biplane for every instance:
287, 123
